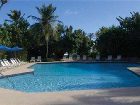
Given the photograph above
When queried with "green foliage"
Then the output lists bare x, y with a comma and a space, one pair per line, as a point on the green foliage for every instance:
36, 35
54, 40
82, 42
46, 20
17, 27
14, 32
123, 39
68, 40
45, 36
5, 36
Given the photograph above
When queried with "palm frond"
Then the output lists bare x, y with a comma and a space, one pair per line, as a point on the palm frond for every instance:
34, 17
8, 20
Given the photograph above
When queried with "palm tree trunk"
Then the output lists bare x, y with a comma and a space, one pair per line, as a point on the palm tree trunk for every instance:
47, 41
47, 48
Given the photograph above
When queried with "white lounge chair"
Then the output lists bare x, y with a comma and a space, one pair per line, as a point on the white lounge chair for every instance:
78, 57
70, 57
21, 62
32, 59
65, 56
7, 63
38, 59
97, 57
109, 58
84, 57
17, 61
14, 62
119, 57
4, 65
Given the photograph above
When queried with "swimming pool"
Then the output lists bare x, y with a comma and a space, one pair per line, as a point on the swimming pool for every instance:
74, 76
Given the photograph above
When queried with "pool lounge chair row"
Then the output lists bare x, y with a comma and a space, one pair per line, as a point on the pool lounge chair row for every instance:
119, 57
13, 62
35, 60
98, 58
109, 58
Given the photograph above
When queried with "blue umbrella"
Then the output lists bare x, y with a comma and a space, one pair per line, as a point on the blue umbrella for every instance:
4, 48
16, 48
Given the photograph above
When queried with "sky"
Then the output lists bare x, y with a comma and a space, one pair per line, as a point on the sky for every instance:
89, 15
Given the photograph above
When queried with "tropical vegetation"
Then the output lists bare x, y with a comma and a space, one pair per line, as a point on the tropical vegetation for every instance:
50, 38
123, 39
47, 37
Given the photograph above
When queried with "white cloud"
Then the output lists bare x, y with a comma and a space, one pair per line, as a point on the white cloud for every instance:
70, 12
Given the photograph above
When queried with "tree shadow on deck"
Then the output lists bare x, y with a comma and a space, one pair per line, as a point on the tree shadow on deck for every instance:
105, 97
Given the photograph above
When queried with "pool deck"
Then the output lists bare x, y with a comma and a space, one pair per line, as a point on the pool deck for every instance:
136, 70
117, 96
21, 69
122, 96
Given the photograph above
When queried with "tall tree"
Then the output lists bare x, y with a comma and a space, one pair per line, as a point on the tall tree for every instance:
5, 36
18, 27
56, 42
131, 26
83, 43
36, 35
47, 19
110, 41
68, 39
123, 39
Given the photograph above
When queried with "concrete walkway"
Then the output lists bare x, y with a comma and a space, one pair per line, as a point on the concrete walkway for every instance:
124, 96
135, 70
21, 69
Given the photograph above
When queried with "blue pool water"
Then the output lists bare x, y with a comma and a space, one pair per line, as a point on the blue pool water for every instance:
74, 76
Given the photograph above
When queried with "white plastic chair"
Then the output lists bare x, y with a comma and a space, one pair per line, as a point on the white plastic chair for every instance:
84, 57
32, 59
4, 65
78, 57
70, 57
119, 57
14, 62
38, 59
109, 58
97, 57
7, 63
21, 62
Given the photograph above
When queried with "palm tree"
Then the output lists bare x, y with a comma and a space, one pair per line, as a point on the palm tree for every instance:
14, 16
2, 3
47, 19
17, 26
